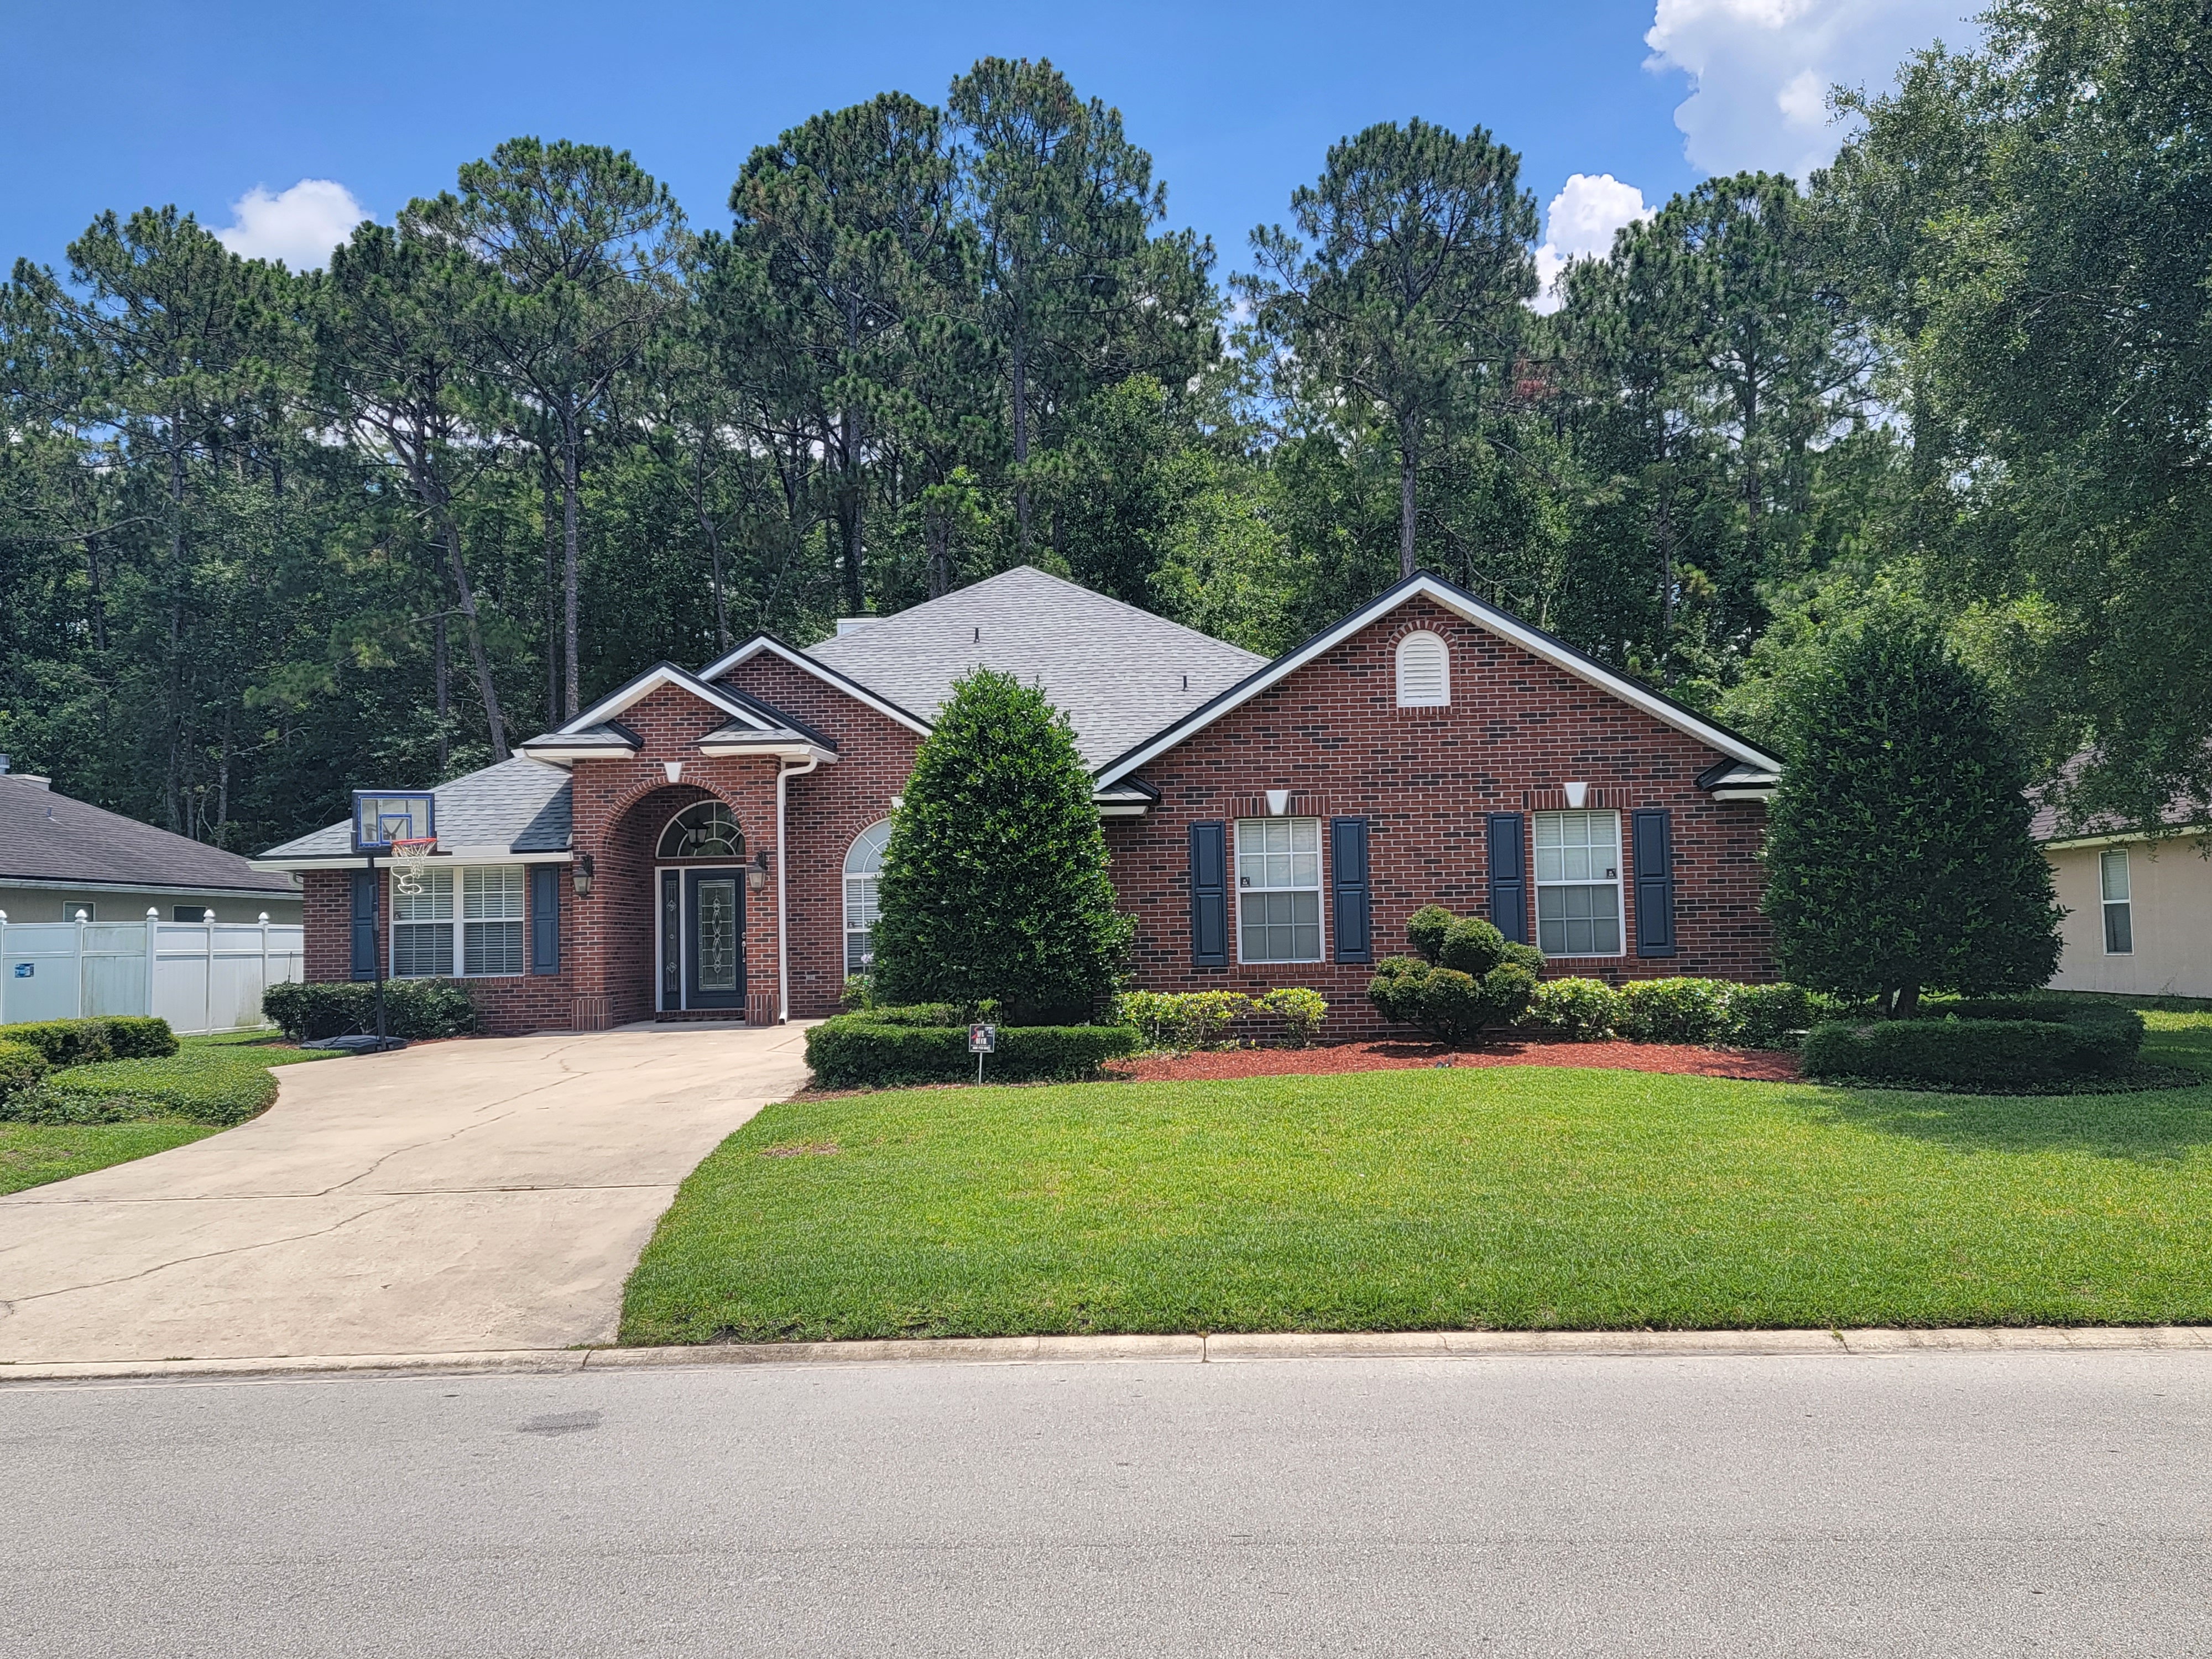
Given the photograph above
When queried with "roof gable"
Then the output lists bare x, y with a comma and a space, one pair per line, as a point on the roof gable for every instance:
769, 644
1482, 614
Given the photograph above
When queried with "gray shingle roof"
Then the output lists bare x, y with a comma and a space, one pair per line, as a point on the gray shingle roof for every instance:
45, 836
519, 805
1119, 674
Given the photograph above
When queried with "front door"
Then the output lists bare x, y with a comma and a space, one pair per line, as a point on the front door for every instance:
703, 940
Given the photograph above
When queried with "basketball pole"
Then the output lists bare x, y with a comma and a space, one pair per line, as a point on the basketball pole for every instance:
376, 937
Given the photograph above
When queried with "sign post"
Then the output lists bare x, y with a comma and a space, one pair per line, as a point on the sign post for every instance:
982, 1040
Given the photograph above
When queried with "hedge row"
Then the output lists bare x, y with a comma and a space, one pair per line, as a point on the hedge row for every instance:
1201, 1019
102, 1037
412, 1008
2049, 1046
21, 1066
1685, 1010
861, 1051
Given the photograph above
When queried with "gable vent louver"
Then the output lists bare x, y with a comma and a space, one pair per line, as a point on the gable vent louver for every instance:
1424, 671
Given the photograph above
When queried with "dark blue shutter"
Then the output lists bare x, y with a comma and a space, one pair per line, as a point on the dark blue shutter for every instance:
364, 924
1209, 895
544, 918
1351, 914
1654, 840
1508, 875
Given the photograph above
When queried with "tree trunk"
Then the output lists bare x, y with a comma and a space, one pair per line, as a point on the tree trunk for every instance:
848, 510
1021, 447
1667, 595
713, 543
493, 721
222, 782
1908, 1002
939, 533
552, 607
439, 678
571, 474
1409, 461
98, 605
172, 782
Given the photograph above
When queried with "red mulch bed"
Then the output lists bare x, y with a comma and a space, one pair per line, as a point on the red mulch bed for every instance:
1755, 1064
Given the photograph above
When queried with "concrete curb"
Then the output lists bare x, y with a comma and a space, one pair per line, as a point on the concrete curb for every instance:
1185, 1350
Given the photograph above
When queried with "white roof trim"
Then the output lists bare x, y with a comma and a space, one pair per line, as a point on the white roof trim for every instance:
652, 680
357, 861
555, 755
821, 671
798, 751
1466, 607
96, 889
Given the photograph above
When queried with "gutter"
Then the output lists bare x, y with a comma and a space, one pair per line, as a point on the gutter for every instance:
783, 890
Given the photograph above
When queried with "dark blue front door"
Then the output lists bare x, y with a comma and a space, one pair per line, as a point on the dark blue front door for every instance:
713, 938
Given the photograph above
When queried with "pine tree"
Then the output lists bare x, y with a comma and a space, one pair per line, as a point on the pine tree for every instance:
994, 882
1899, 858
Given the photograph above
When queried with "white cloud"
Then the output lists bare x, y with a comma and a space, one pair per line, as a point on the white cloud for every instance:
1760, 70
299, 226
1580, 223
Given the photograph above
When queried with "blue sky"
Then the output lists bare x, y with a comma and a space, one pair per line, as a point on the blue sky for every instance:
134, 103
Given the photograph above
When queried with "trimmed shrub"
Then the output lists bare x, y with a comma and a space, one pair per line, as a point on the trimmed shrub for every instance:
1180, 1019
1425, 930
1898, 852
855, 997
852, 1051
102, 1036
1766, 1016
412, 1008
21, 1066
1674, 1010
995, 881
932, 1014
1968, 1052
1301, 1010
1450, 1003
1583, 1010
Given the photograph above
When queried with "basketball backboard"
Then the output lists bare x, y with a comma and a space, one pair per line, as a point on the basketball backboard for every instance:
381, 817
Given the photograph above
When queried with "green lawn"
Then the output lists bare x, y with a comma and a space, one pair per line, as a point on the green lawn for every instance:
1513, 1197
209, 1084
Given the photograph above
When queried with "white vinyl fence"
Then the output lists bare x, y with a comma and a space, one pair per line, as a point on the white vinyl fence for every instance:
199, 976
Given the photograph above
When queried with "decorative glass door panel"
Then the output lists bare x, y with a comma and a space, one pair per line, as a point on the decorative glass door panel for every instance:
671, 940
713, 955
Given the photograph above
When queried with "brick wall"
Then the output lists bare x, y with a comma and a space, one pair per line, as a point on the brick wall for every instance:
1517, 730
827, 808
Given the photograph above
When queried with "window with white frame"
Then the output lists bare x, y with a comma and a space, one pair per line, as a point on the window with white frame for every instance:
1578, 889
2119, 910
491, 918
1424, 671
864, 867
482, 934
1279, 889
422, 926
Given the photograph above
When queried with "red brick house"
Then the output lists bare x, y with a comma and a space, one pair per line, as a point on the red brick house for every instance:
705, 845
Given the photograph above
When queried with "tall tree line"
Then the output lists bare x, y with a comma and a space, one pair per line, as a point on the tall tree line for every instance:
266, 535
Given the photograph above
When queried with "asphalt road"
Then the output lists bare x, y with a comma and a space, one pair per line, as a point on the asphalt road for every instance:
1928, 1504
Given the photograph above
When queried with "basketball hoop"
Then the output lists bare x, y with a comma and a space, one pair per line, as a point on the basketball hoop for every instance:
409, 857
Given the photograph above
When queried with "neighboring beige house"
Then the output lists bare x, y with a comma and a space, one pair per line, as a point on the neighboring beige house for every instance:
2139, 907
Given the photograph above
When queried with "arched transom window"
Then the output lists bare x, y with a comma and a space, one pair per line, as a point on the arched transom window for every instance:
864, 868
1424, 670
704, 829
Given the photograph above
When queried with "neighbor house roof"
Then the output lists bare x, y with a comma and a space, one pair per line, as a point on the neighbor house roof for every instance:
1117, 672
519, 806
48, 837
2051, 825
1758, 763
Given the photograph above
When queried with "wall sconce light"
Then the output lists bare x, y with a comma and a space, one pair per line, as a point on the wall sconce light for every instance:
1576, 794
757, 877
581, 874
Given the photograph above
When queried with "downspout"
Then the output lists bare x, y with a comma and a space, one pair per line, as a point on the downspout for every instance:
782, 890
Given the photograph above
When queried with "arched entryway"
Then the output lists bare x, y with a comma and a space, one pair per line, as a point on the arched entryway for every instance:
699, 877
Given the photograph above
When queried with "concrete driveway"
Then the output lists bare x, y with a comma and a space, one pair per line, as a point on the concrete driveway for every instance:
455, 1198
